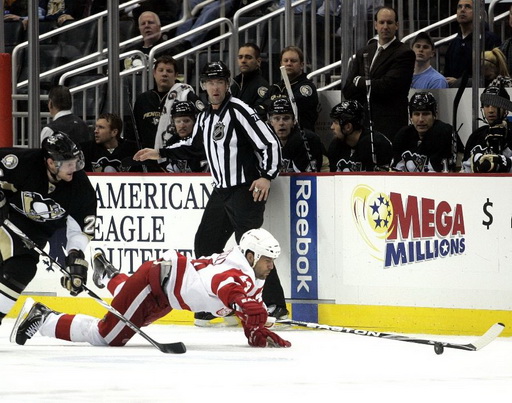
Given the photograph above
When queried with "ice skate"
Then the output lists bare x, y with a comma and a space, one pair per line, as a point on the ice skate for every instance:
102, 268
29, 321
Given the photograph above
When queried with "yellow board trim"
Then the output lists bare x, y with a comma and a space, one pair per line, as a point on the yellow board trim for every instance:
394, 319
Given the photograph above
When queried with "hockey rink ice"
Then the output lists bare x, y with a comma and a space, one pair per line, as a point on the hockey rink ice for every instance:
219, 366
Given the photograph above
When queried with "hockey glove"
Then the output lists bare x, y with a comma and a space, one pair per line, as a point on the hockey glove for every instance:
4, 208
251, 312
76, 266
492, 163
262, 337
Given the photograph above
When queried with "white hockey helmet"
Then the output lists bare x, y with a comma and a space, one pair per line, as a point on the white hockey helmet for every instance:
261, 243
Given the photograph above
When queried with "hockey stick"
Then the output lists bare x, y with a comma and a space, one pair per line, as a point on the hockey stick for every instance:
456, 142
175, 348
491, 334
287, 84
368, 92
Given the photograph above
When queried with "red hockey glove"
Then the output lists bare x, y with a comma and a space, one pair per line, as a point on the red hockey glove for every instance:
262, 337
250, 311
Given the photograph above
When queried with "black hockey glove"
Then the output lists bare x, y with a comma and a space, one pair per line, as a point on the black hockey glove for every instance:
4, 208
76, 266
492, 163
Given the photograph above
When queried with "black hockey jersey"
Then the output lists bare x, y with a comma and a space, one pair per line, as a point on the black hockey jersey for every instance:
38, 207
99, 159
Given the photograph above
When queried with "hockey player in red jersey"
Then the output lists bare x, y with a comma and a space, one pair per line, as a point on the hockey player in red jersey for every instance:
223, 283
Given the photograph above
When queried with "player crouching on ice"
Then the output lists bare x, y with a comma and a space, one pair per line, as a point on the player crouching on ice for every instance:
221, 283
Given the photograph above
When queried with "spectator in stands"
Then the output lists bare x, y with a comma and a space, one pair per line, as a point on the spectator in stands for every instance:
458, 57
148, 105
391, 66
302, 149
59, 105
59, 11
108, 150
425, 76
489, 148
250, 86
334, 19
304, 90
506, 47
495, 65
210, 12
150, 29
353, 147
426, 144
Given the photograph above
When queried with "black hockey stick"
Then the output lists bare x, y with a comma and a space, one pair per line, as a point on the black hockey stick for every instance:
175, 348
456, 142
491, 334
368, 92
287, 84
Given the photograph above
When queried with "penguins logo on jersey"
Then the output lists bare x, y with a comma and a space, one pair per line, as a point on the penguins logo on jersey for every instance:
39, 209
106, 165
306, 90
262, 91
10, 161
218, 131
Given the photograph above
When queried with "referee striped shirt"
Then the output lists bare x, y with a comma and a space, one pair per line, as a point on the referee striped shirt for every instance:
239, 146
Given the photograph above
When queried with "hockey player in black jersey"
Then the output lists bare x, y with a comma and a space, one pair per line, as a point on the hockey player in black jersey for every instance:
106, 152
183, 115
489, 148
302, 149
353, 148
426, 144
43, 190
304, 90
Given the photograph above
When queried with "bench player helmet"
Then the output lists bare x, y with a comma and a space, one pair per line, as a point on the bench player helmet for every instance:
214, 70
348, 112
423, 101
60, 148
261, 243
496, 95
183, 108
280, 105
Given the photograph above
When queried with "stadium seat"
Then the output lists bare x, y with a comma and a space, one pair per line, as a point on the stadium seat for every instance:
50, 57
83, 38
14, 34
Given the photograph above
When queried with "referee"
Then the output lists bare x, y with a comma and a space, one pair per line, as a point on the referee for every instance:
244, 155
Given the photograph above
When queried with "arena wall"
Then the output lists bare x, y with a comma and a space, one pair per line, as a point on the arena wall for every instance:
413, 253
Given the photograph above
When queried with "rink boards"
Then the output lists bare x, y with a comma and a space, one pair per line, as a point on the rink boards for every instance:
400, 252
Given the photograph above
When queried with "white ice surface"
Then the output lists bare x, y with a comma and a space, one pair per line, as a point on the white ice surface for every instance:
321, 366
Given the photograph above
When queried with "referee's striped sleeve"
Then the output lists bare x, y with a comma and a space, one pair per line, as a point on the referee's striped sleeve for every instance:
265, 141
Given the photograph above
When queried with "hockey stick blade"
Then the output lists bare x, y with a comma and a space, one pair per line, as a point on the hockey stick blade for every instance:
175, 348
492, 333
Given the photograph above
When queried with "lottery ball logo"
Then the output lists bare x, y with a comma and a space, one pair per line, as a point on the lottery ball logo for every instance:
373, 216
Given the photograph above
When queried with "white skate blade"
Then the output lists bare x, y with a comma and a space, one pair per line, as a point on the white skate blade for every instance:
25, 309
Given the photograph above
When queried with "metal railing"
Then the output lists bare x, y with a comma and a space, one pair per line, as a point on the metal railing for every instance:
272, 30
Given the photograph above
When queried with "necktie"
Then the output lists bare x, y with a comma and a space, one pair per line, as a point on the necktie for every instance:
379, 50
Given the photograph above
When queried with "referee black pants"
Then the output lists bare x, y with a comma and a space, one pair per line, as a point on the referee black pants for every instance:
234, 210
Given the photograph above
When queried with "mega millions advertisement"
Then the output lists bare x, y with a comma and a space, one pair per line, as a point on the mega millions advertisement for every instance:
373, 239
441, 241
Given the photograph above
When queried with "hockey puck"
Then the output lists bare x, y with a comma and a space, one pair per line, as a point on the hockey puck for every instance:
438, 348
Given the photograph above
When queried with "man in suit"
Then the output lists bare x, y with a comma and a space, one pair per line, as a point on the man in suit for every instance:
391, 68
